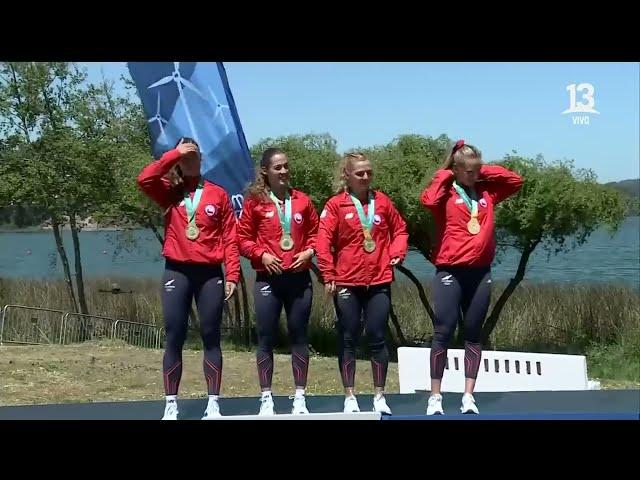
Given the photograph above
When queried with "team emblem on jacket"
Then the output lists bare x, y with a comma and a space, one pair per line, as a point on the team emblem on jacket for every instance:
483, 203
348, 216
269, 214
210, 210
298, 218
376, 219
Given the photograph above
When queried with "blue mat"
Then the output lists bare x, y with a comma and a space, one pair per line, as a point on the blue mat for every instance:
574, 405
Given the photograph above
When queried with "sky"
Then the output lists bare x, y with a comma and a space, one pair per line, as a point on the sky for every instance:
499, 107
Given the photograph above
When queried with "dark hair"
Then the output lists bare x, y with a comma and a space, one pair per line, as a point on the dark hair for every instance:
268, 154
260, 187
187, 140
175, 175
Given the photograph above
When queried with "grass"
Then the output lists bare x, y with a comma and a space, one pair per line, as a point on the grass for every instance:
599, 321
107, 371
112, 371
537, 316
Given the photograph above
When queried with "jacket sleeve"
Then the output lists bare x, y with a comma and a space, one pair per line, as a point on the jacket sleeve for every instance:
248, 232
327, 231
312, 232
398, 232
436, 191
501, 182
152, 182
231, 253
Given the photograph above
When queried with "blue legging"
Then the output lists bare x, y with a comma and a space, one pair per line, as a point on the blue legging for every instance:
181, 283
459, 290
270, 294
373, 305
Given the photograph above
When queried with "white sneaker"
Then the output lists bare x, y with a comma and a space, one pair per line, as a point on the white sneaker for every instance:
468, 404
212, 411
171, 411
266, 406
351, 405
434, 405
380, 405
299, 405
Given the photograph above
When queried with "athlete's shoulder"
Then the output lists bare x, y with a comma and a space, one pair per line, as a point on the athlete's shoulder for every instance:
338, 199
302, 198
383, 200
215, 189
332, 205
251, 200
380, 195
299, 194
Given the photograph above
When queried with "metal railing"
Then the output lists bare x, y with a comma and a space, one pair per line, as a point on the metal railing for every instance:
21, 324
80, 327
139, 334
31, 325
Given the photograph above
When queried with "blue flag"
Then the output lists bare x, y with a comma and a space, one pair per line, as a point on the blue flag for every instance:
193, 99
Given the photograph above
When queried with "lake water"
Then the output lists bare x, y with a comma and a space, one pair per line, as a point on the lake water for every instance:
604, 258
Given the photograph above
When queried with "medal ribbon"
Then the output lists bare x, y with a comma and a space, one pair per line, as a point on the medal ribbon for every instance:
192, 205
367, 222
471, 203
285, 221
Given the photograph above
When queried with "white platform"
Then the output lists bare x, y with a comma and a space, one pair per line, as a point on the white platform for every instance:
499, 371
310, 416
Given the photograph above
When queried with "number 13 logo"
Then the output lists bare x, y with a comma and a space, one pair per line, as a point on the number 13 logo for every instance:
585, 106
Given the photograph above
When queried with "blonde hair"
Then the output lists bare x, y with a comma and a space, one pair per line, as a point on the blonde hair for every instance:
340, 180
460, 153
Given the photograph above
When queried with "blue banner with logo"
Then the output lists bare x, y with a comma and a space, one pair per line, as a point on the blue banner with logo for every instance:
193, 99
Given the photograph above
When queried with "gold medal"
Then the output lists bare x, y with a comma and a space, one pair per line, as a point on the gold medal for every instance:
192, 232
473, 226
286, 242
369, 245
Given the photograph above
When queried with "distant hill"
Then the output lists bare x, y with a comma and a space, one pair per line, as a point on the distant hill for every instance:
630, 187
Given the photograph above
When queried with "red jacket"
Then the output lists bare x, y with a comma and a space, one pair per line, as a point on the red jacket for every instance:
341, 231
259, 230
454, 244
214, 217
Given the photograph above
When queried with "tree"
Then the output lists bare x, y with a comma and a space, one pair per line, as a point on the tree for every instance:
313, 159
558, 208
128, 142
58, 154
128, 207
35, 106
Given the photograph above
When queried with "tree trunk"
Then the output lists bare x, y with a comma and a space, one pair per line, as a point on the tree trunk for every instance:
316, 271
155, 231
396, 324
78, 265
65, 262
245, 330
236, 310
421, 292
492, 320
